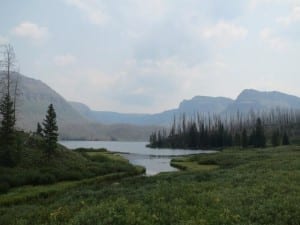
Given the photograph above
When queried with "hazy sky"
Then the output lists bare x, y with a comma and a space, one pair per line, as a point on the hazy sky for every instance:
148, 55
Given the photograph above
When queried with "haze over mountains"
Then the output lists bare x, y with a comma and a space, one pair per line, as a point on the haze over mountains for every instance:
247, 100
33, 103
78, 121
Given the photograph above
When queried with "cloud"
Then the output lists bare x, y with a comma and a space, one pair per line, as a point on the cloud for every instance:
152, 9
63, 60
224, 33
272, 40
3, 40
156, 85
293, 17
169, 40
91, 10
253, 4
31, 30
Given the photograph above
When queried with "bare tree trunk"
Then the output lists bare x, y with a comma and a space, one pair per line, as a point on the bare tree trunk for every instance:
10, 79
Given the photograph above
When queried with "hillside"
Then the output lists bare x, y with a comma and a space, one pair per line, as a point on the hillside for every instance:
34, 100
34, 167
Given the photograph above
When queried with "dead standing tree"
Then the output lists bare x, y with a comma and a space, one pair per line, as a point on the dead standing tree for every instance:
9, 91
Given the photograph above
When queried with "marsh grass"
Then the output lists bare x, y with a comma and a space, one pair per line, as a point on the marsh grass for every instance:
248, 187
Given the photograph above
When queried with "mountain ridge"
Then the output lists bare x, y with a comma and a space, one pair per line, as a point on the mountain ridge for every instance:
33, 103
79, 121
247, 100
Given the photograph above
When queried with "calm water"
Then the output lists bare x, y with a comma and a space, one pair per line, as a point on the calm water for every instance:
154, 160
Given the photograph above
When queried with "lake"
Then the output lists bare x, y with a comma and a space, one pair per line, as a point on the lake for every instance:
154, 160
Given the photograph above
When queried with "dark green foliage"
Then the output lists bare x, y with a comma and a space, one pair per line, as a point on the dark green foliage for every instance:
250, 187
65, 165
8, 120
7, 132
244, 138
258, 138
276, 138
237, 140
39, 130
82, 150
8, 97
4, 187
50, 131
205, 133
285, 139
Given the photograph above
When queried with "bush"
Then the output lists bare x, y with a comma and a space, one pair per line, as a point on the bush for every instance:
73, 175
4, 187
37, 178
46, 178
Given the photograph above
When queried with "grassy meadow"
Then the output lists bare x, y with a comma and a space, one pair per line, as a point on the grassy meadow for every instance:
255, 186
35, 168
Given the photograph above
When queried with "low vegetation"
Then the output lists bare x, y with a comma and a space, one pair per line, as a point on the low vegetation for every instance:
36, 169
255, 186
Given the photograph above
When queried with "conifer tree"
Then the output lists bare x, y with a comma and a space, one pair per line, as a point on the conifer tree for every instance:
50, 131
244, 138
39, 130
259, 139
285, 139
7, 131
276, 138
8, 91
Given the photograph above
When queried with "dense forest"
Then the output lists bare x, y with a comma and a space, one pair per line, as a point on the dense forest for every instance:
254, 129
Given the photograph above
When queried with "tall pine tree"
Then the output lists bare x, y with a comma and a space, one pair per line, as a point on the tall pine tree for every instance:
7, 132
244, 138
8, 93
259, 138
50, 131
39, 130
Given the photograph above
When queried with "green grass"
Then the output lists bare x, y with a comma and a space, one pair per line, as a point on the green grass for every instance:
35, 168
107, 155
187, 164
28, 193
252, 187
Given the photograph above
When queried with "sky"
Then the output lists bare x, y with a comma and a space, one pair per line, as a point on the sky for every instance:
146, 56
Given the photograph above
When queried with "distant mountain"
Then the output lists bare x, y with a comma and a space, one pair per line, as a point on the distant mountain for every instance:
201, 104
106, 117
261, 101
34, 101
246, 101
204, 104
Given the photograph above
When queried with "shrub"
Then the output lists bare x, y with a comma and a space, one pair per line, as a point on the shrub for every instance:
4, 187
46, 178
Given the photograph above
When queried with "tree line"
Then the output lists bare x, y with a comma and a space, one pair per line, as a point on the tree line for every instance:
241, 130
10, 142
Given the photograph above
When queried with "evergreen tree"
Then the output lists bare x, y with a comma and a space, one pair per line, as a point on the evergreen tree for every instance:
237, 139
7, 131
8, 120
244, 138
8, 91
39, 130
50, 131
192, 136
285, 139
276, 138
259, 139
